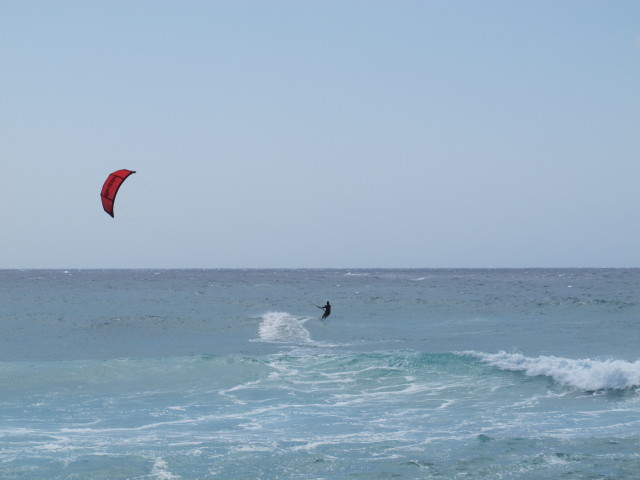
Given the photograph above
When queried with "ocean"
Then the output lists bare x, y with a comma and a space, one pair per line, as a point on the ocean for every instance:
231, 374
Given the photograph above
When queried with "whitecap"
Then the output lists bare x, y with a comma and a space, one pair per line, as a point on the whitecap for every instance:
585, 374
161, 472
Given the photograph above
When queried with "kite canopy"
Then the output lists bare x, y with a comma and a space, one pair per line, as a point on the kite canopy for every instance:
110, 188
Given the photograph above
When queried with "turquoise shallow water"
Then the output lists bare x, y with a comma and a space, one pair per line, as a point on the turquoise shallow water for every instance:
417, 374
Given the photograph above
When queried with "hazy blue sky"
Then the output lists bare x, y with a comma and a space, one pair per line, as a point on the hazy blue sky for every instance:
320, 133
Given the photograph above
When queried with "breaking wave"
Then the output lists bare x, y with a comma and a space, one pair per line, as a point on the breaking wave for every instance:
584, 374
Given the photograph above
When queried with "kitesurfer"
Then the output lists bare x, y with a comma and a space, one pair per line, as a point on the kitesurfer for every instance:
327, 310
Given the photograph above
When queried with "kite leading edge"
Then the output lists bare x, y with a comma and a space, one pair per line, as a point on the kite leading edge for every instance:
110, 188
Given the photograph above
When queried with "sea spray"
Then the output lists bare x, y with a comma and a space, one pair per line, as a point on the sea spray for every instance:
282, 327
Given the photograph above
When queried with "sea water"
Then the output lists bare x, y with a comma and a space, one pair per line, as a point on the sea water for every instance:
231, 374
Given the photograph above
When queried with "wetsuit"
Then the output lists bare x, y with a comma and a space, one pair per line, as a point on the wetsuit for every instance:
327, 310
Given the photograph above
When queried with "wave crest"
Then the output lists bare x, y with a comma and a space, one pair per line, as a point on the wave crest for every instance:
584, 374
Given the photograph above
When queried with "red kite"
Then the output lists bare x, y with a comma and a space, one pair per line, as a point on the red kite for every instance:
110, 188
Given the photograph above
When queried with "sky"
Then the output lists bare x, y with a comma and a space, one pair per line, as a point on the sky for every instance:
320, 133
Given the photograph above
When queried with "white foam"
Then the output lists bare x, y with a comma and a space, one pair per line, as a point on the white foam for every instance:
161, 472
585, 374
282, 327
446, 404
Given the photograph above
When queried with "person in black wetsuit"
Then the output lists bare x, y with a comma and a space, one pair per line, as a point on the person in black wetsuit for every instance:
327, 310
